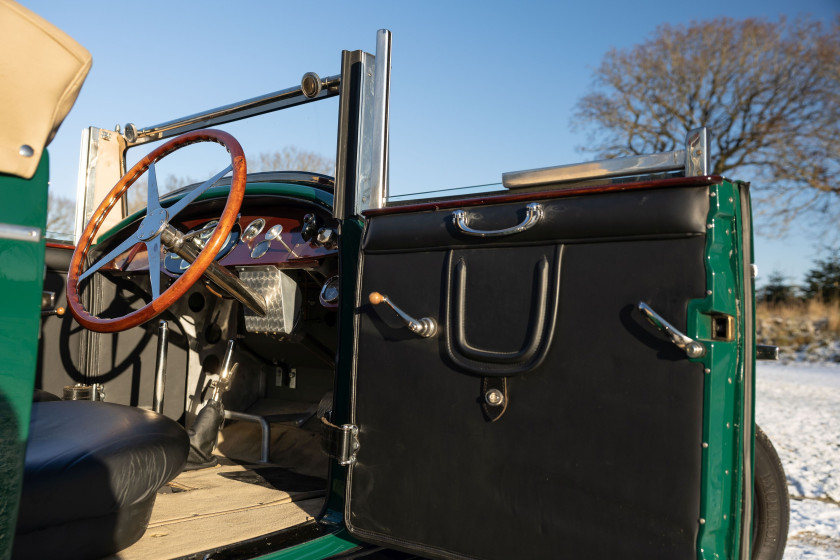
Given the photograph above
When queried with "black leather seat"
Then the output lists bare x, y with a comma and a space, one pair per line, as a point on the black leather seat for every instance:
91, 474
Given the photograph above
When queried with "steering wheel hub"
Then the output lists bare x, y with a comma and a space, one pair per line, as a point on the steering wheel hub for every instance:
154, 223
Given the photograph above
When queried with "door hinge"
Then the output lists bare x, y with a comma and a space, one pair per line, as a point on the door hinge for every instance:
340, 442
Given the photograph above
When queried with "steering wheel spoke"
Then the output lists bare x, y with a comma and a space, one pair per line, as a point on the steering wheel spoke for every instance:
193, 194
153, 249
132, 240
152, 198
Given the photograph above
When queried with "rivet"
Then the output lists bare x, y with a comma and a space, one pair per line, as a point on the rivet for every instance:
710, 226
730, 381
494, 397
26, 151
726, 472
705, 445
702, 521
727, 425
708, 292
730, 199
713, 194
707, 370
724, 516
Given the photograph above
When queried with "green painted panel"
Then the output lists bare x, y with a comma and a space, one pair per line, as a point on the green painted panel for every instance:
723, 433
21, 283
316, 549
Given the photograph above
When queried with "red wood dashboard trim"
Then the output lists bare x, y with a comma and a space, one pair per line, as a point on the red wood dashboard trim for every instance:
514, 196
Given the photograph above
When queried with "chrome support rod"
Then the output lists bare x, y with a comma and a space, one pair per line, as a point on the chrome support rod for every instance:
275, 101
160, 367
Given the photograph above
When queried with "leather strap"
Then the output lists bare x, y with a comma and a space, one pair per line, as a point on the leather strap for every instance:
494, 397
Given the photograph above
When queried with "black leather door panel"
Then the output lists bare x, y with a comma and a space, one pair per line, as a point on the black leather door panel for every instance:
602, 435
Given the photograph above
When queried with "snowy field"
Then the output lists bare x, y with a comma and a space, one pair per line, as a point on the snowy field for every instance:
798, 407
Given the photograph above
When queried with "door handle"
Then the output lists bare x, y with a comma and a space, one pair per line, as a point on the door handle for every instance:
535, 213
691, 347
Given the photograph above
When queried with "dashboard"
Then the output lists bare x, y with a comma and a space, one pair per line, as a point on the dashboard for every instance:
278, 247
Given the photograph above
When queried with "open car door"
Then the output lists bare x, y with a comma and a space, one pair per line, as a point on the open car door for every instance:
542, 403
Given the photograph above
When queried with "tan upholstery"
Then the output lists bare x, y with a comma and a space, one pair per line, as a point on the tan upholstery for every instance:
41, 72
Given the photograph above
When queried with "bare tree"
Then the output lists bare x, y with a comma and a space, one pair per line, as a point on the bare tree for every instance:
291, 158
768, 91
61, 214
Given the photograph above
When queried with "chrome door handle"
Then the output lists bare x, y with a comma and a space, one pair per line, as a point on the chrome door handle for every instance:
691, 347
425, 326
535, 214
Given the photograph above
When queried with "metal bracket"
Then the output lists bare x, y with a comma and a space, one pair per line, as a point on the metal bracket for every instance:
340, 442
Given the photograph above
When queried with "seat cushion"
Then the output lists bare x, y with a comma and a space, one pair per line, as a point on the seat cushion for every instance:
94, 467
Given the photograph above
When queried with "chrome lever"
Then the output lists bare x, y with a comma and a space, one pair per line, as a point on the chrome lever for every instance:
691, 347
228, 369
425, 326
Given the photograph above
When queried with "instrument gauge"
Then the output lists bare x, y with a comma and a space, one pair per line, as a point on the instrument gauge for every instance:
329, 293
176, 265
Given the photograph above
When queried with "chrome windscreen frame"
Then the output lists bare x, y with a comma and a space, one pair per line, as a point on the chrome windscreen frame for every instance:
102, 159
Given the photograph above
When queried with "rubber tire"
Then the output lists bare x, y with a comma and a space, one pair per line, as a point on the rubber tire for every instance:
771, 504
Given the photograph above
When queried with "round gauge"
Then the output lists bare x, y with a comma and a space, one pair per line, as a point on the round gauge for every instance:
176, 265
329, 293
253, 230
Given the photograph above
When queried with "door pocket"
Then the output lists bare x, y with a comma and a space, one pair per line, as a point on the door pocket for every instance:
543, 314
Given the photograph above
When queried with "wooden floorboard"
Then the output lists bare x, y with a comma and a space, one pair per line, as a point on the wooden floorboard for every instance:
206, 510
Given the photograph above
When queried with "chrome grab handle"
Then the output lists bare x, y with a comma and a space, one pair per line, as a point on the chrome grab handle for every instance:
425, 326
691, 347
535, 213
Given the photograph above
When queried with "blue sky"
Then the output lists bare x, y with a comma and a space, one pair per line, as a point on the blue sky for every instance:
478, 88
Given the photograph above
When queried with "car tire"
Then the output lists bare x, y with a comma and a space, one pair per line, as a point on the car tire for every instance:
771, 504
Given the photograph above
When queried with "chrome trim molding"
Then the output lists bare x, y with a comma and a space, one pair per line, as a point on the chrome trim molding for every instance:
20, 233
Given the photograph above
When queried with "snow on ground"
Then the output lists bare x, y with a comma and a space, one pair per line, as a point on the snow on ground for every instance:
798, 407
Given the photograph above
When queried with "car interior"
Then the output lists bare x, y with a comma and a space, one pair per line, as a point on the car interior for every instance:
262, 469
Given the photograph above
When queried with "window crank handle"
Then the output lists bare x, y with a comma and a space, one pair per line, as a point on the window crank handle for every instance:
425, 326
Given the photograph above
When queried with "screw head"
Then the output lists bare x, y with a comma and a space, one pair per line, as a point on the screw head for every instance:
494, 397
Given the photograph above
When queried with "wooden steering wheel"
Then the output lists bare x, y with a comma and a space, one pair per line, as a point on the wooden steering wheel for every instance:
150, 231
